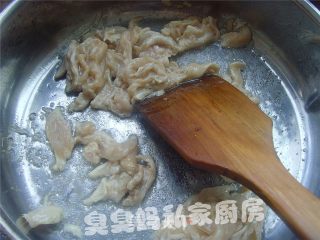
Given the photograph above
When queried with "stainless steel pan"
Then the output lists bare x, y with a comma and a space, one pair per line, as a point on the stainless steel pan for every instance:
282, 70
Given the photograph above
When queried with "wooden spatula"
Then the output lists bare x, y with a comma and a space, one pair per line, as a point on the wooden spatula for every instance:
216, 127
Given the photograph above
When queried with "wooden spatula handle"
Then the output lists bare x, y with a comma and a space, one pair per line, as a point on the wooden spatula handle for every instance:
298, 207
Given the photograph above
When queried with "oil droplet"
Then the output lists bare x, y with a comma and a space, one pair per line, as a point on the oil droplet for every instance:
62, 109
9, 144
32, 116
46, 110
49, 86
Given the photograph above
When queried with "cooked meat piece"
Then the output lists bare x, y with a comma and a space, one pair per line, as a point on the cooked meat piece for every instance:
235, 69
113, 189
114, 61
195, 70
91, 152
118, 184
154, 44
137, 178
123, 172
237, 35
102, 145
129, 164
114, 99
111, 35
60, 138
43, 215
137, 194
145, 75
86, 70
75, 230
117, 66
99, 144
61, 71
84, 129
237, 80
125, 45
192, 32
106, 169
210, 197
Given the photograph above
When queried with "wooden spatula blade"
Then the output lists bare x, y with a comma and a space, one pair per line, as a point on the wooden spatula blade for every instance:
208, 121
216, 127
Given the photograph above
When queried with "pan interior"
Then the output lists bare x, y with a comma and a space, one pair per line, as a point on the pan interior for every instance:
28, 179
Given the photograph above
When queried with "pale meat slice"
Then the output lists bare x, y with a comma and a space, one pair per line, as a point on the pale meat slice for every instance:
111, 35
235, 69
145, 75
60, 138
125, 45
146, 42
238, 34
86, 70
237, 39
128, 177
175, 29
61, 72
118, 66
113, 189
100, 145
106, 169
211, 196
136, 179
137, 194
123, 172
43, 215
114, 99
154, 44
192, 32
84, 128
236, 79
91, 152
129, 164
75, 230
195, 70
107, 147
114, 61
